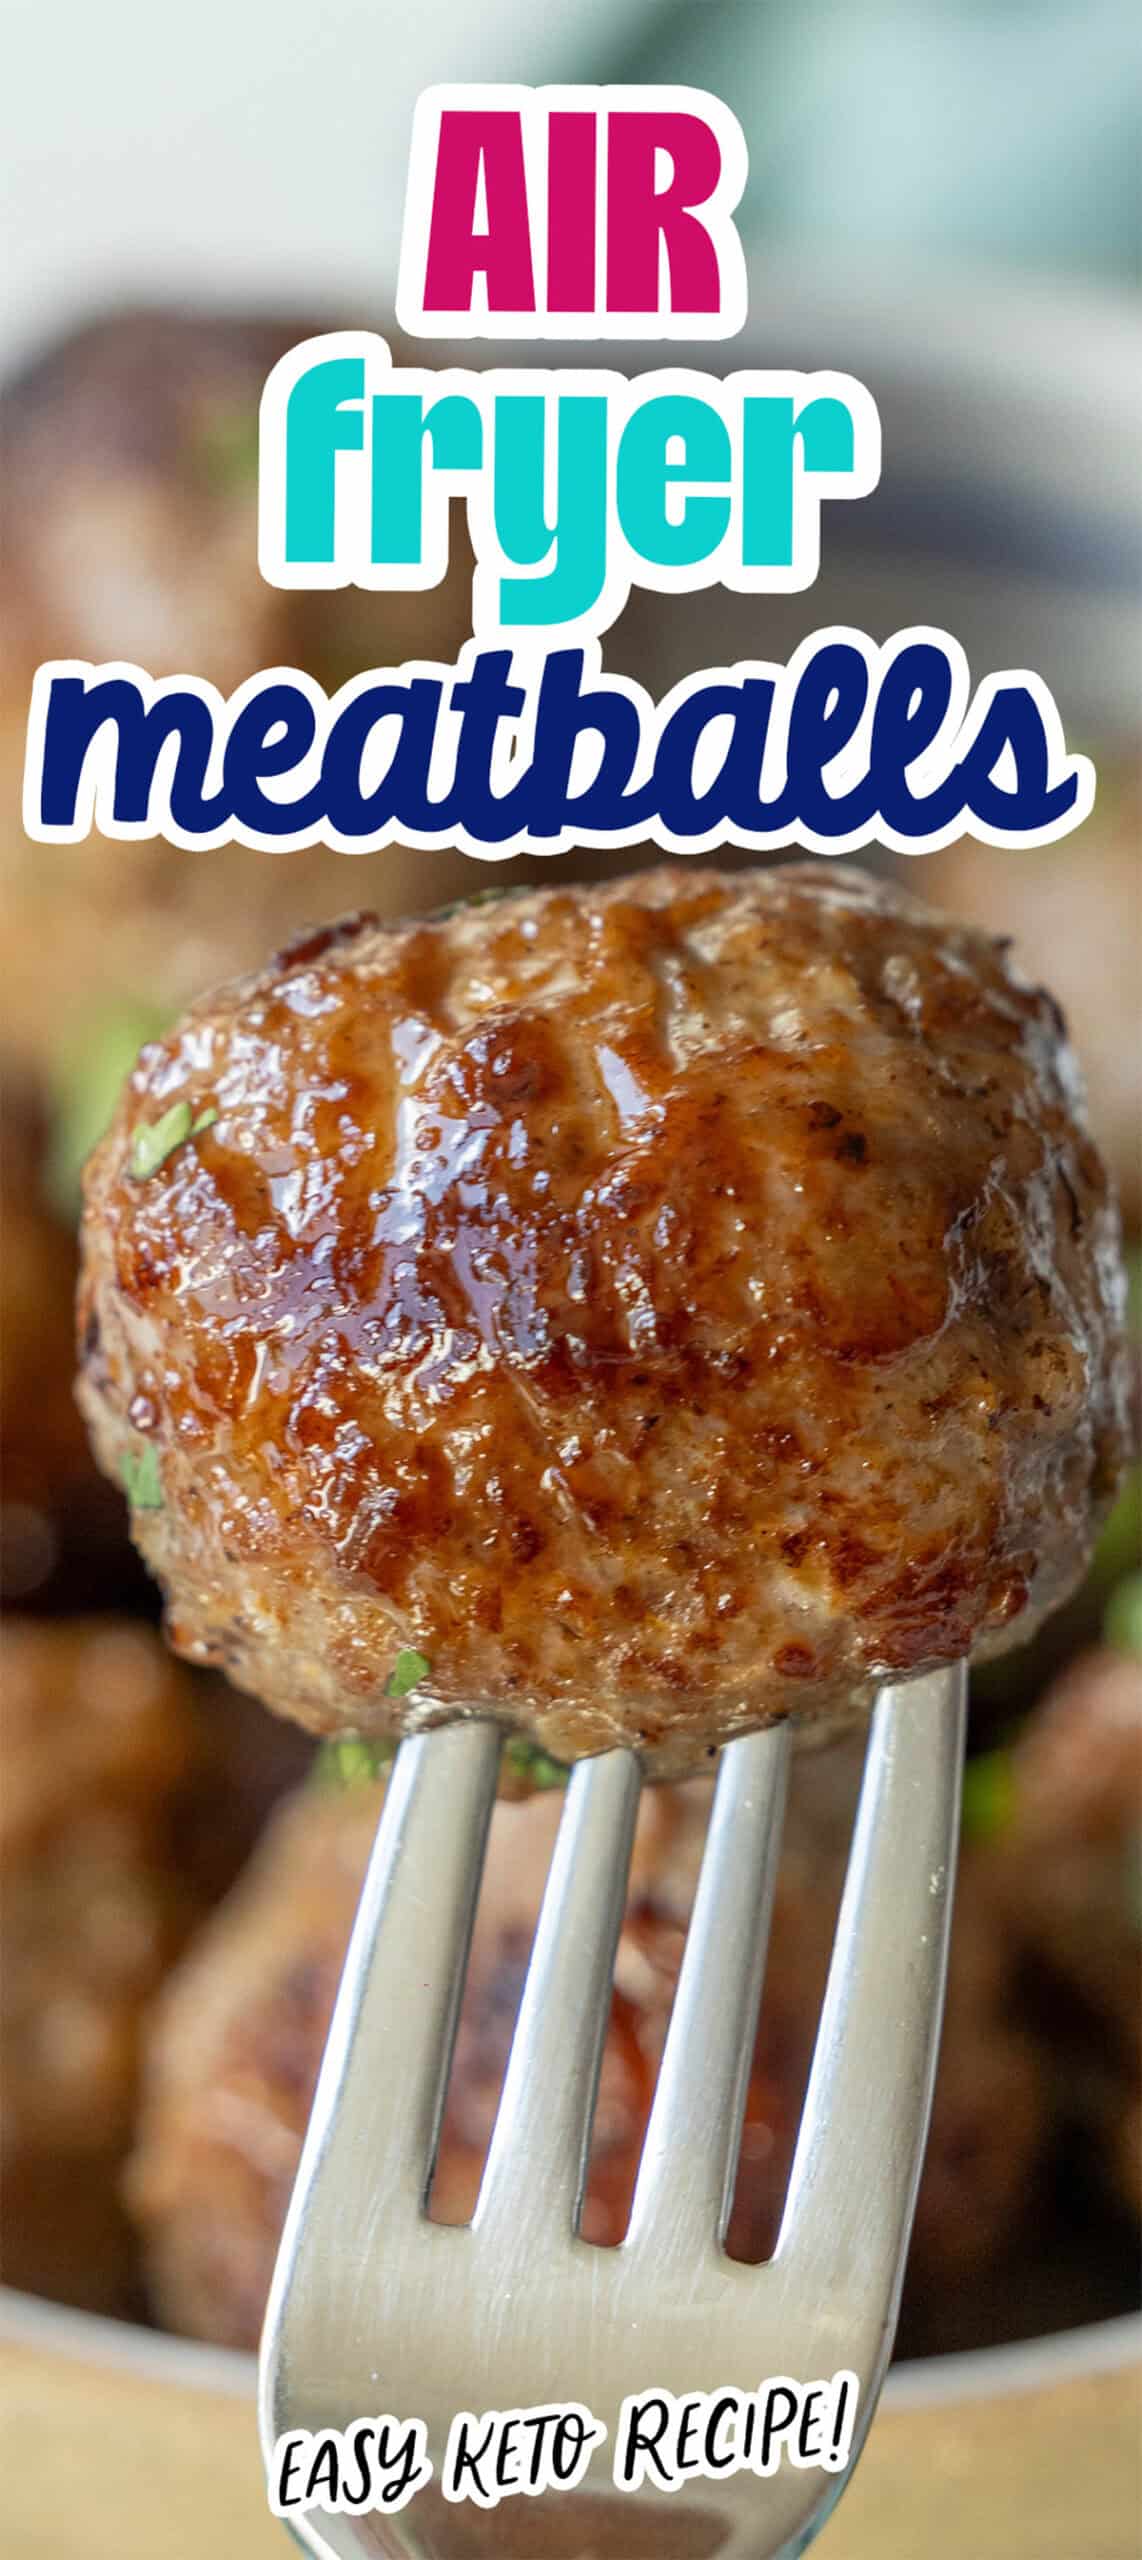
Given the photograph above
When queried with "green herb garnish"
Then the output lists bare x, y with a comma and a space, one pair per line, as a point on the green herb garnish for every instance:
407, 1670
142, 1482
154, 1140
533, 1767
989, 1796
477, 898
87, 1083
352, 1760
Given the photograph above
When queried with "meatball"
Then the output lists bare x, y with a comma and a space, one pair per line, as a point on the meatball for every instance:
1072, 1848
63, 1529
236, 2044
639, 1313
103, 944
1075, 909
99, 1756
1066, 1801
991, 2113
237, 2040
129, 531
130, 518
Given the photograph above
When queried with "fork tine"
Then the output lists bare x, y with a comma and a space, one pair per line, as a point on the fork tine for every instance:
685, 2184
537, 2160
857, 2164
395, 2019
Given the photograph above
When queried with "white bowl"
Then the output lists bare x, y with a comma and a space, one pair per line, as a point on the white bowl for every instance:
126, 2445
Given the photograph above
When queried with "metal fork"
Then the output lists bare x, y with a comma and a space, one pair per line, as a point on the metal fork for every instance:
375, 2308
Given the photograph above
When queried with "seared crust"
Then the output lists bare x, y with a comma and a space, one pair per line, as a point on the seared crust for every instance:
664, 1307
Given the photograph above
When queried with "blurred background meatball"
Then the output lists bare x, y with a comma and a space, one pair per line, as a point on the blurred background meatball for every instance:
1071, 1891
129, 512
100, 1756
236, 2044
128, 520
128, 1803
63, 1528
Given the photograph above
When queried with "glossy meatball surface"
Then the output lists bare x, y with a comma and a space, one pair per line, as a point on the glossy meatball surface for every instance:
639, 1312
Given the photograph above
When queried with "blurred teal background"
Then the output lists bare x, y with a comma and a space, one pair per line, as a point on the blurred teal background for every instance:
943, 200
260, 146
992, 132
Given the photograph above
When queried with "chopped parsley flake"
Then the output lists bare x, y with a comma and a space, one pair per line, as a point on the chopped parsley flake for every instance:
533, 1767
407, 1670
87, 1084
478, 898
352, 1761
356, 1759
142, 1482
154, 1140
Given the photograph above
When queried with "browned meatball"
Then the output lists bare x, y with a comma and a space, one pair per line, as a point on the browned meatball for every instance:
129, 521
128, 527
991, 2113
237, 2041
99, 1754
639, 1312
130, 509
1071, 1864
1076, 909
102, 944
1065, 1867
63, 1529
669, 1840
